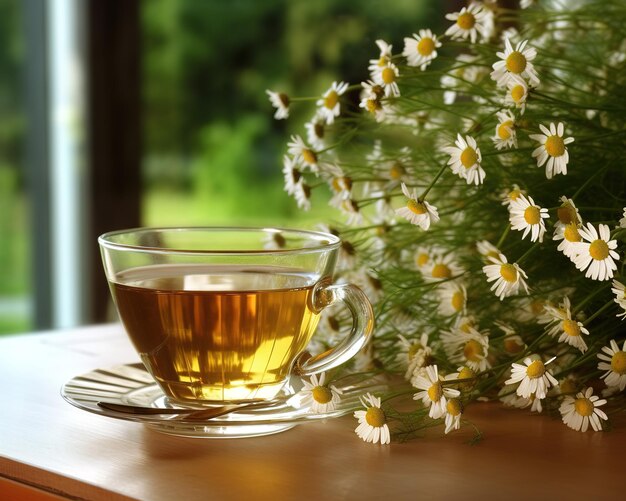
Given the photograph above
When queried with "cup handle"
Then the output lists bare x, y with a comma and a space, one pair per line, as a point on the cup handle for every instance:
362, 328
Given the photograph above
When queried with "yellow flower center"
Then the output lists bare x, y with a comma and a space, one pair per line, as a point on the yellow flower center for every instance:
321, 394
566, 214
514, 194
388, 75
571, 233
517, 93
373, 105
504, 131
583, 406
441, 270
466, 373
512, 345
537, 306
571, 327
435, 392
466, 21
458, 300
397, 171
567, 386
516, 62
618, 362
422, 259
375, 417
465, 327
508, 272
416, 207
469, 157
473, 351
342, 183
454, 407
532, 215
331, 99
383, 61
555, 146
535, 369
309, 156
413, 349
599, 250
426, 46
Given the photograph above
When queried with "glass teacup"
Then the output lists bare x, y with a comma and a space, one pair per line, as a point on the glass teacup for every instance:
225, 314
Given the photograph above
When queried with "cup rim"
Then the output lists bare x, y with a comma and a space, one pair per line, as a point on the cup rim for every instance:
333, 241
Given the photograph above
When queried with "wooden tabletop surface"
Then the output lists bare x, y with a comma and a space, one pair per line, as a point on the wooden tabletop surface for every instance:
59, 450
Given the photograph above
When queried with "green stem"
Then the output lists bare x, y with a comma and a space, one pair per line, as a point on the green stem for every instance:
432, 183
597, 313
503, 236
528, 253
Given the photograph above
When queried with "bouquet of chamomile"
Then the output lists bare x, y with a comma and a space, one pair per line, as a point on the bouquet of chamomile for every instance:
481, 189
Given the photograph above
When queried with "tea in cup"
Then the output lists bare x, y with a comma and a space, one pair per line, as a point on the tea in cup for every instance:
225, 314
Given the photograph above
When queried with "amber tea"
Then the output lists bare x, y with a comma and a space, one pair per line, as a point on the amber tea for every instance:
212, 332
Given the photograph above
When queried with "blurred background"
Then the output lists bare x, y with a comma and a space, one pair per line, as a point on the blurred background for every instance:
123, 113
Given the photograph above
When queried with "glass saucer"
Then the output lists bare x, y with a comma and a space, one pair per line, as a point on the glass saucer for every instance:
131, 384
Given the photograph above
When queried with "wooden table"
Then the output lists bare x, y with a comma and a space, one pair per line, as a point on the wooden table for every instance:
48, 448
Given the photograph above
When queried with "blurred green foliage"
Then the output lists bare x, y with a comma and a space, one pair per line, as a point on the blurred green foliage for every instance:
213, 152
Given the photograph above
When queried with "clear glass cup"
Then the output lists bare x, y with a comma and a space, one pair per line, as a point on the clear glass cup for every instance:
225, 314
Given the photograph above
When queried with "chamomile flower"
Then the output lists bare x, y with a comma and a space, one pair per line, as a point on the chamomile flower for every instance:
613, 361
414, 355
442, 267
371, 99
468, 23
421, 49
506, 277
453, 298
516, 93
487, 250
596, 253
280, 101
580, 411
465, 160
291, 174
301, 152
569, 236
533, 377
433, 393
302, 194
567, 213
419, 213
525, 216
383, 59
329, 105
372, 421
454, 410
516, 62
319, 397
553, 149
509, 195
568, 330
422, 257
316, 131
387, 77
468, 346
620, 297
505, 136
